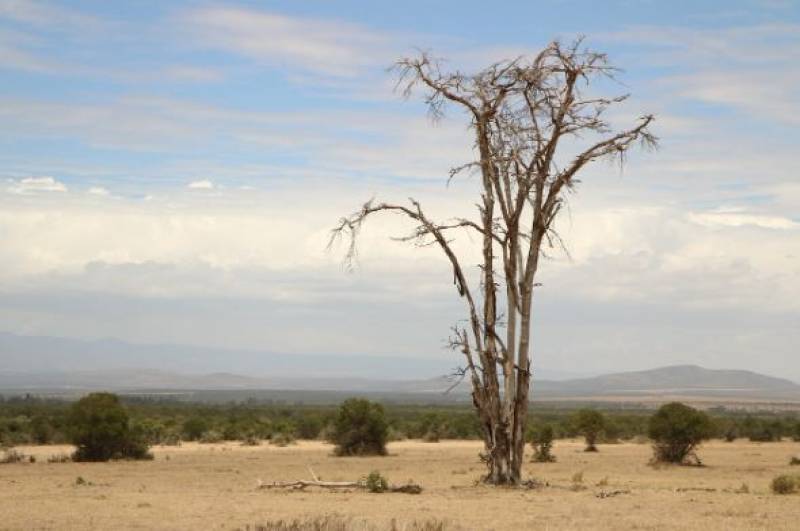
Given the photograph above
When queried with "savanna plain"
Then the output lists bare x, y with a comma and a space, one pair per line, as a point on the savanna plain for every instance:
214, 486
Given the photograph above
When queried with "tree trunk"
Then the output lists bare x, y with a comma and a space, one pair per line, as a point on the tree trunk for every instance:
499, 459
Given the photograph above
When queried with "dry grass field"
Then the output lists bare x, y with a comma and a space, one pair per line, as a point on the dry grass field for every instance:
214, 487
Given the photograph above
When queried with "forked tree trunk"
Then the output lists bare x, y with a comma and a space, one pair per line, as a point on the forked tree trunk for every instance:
519, 111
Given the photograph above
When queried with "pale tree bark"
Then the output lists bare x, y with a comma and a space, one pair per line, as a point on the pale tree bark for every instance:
520, 111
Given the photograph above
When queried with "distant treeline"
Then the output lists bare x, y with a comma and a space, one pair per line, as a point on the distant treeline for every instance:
35, 420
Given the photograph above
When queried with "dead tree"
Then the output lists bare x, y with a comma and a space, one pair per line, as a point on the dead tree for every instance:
535, 129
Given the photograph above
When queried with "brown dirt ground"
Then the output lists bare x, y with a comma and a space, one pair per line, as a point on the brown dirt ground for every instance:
213, 487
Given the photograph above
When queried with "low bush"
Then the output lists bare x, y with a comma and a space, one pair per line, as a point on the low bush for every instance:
794, 461
542, 442
360, 428
677, 430
375, 482
785, 484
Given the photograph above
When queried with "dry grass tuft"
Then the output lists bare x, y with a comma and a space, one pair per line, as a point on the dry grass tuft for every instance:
340, 523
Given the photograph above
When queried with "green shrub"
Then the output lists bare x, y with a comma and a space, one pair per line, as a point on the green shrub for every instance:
194, 428
100, 428
677, 430
376, 483
763, 430
590, 424
542, 441
785, 484
41, 430
309, 427
360, 428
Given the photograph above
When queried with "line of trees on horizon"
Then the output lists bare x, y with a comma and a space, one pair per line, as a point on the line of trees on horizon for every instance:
32, 420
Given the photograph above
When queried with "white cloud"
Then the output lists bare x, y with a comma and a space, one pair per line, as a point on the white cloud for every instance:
750, 68
37, 13
738, 218
327, 47
204, 184
98, 190
194, 74
31, 185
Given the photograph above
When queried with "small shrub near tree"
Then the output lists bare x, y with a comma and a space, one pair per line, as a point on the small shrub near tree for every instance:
360, 428
590, 424
376, 483
101, 430
542, 443
677, 430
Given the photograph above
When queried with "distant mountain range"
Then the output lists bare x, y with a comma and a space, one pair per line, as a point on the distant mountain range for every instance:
43, 354
54, 364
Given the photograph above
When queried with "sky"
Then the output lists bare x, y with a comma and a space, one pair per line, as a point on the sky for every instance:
170, 172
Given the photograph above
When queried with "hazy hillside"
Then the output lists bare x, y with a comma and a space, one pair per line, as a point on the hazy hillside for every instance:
679, 379
42, 354
682, 380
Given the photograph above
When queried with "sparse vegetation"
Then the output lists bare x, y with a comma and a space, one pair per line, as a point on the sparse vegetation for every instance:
211, 437
577, 482
677, 430
251, 440
10, 455
794, 461
340, 523
282, 439
360, 428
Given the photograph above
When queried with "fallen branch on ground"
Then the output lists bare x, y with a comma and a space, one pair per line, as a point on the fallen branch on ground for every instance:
409, 488
610, 493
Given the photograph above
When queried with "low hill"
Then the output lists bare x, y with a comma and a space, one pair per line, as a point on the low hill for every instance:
683, 381
675, 380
